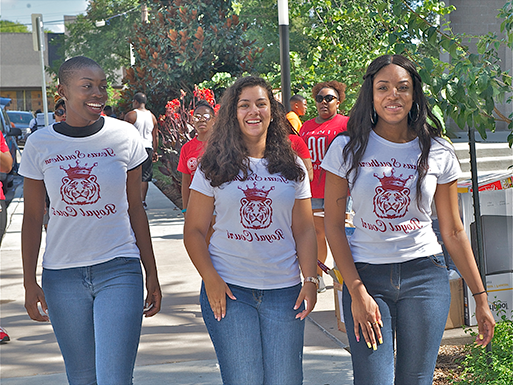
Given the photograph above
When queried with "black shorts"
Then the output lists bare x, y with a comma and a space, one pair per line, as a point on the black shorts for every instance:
147, 167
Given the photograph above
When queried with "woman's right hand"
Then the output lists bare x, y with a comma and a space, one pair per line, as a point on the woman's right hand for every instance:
217, 290
367, 317
34, 295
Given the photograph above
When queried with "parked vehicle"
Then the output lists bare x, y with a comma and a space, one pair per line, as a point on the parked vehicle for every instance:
21, 120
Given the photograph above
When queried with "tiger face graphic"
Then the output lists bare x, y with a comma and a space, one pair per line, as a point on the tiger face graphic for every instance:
256, 210
80, 187
392, 198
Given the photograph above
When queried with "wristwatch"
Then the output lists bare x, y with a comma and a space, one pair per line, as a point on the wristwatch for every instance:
314, 280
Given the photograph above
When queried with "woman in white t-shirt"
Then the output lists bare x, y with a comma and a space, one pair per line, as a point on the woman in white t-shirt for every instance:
98, 234
396, 285
251, 295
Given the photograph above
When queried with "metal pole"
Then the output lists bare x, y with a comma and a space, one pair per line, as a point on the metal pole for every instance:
477, 213
283, 22
42, 56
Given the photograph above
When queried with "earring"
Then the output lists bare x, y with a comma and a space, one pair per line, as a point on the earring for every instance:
373, 116
414, 116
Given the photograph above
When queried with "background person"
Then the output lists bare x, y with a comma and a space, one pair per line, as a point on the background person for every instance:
203, 120
318, 134
5, 167
98, 234
298, 107
251, 296
146, 124
396, 284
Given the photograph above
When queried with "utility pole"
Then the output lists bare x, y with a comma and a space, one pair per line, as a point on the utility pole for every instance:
283, 22
38, 41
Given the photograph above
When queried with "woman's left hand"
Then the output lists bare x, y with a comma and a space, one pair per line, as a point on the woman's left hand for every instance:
308, 293
154, 296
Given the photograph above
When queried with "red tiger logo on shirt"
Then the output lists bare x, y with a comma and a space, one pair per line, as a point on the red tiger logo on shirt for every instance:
79, 187
392, 198
256, 210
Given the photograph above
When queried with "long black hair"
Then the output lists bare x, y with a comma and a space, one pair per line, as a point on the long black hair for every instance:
362, 119
227, 155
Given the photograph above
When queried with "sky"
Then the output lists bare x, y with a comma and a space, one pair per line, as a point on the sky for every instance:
53, 11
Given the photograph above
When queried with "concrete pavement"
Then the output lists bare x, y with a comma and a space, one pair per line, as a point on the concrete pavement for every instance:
175, 347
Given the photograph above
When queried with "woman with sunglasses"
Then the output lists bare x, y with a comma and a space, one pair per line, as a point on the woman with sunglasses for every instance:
60, 111
203, 121
318, 134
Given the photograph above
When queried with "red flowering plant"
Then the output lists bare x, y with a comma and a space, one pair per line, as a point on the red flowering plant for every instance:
176, 129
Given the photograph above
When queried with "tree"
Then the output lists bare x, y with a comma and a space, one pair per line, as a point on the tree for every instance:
108, 45
10, 26
347, 35
184, 43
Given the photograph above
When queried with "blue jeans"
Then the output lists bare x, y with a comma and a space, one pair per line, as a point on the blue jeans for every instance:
414, 299
96, 314
259, 341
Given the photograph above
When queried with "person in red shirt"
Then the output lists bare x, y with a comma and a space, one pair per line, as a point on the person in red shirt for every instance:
203, 120
318, 133
5, 166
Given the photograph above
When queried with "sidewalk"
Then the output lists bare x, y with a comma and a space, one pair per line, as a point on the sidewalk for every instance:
175, 347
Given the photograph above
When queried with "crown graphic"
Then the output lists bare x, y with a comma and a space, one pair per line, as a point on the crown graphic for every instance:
256, 193
78, 171
392, 182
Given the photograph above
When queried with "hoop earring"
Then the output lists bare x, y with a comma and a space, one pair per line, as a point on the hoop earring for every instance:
373, 116
411, 117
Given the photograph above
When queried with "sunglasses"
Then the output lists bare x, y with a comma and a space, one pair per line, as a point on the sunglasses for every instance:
205, 117
59, 112
327, 98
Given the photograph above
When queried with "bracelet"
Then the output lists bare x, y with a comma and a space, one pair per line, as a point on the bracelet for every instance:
313, 280
481, 292
184, 210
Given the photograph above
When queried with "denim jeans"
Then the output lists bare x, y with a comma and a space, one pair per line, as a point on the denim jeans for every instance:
414, 299
96, 314
259, 341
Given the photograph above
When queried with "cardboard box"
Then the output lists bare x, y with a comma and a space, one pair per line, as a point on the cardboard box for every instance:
456, 316
500, 298
339, 310
493, 181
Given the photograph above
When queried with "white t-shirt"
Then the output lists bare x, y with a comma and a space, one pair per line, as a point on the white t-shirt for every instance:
144, 124
86, 181
253, 245
390, 228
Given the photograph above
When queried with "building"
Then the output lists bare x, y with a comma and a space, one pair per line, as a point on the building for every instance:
20, 69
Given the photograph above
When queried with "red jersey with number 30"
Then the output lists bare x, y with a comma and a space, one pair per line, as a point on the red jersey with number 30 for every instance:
318, 137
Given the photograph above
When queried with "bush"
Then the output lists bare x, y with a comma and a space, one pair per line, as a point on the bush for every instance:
493, 367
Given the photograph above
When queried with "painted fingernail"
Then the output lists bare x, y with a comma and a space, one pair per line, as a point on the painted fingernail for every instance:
357, 339
369, 345
374, 347
481, 337
380, 323
381, 341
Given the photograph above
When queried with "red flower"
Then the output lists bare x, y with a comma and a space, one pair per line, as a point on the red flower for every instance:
216, 108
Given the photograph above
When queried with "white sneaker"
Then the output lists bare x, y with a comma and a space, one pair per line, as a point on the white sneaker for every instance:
322, 286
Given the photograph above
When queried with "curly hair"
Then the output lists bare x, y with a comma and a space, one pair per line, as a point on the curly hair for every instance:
226, 155
360, 124
340, 88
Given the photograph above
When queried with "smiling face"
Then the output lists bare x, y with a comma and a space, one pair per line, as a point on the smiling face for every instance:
327, 110
86, 94
393, 95
253, 114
